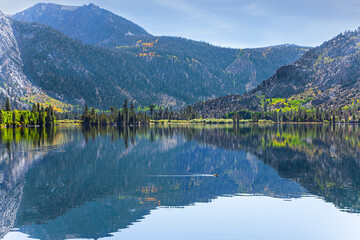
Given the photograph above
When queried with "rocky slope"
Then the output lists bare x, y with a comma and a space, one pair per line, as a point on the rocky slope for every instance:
332, 70
108, 65
13, 81
328, 75
77, 73
89, 23
253, 66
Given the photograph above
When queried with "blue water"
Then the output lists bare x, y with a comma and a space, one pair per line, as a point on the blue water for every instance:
158, 182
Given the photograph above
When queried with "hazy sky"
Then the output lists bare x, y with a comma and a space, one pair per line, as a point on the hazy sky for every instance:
235, 23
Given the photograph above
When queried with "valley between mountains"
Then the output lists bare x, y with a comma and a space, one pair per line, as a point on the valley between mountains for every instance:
72, 56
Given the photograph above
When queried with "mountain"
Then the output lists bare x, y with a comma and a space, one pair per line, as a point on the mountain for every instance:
89, 23
255, 65
249, 67
13, 79
94, 62
329, 73
245, 68
326, 76
76, 73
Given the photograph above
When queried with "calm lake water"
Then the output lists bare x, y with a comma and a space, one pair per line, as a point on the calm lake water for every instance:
275, 182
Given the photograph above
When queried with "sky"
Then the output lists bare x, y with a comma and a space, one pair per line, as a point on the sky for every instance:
230, 23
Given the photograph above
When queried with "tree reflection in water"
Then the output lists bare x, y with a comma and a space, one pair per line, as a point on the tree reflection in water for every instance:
111, 178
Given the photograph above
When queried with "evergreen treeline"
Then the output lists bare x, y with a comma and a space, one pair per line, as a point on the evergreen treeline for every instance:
165, 113
349, 114
38, 116
346, 115
130, 116
74, 115
125, 116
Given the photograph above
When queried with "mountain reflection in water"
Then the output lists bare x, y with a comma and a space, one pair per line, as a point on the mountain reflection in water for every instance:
109, 179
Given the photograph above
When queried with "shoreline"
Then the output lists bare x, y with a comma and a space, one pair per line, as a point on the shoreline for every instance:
77, 123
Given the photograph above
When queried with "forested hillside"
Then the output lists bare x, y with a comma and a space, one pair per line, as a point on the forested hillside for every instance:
324, 77
87, 23
76, 73
91, 58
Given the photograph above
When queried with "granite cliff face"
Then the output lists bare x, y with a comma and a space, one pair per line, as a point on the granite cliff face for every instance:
332, 70
328, 75
13, 81
253, 66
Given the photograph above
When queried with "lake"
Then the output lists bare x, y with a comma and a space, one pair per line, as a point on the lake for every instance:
158, 182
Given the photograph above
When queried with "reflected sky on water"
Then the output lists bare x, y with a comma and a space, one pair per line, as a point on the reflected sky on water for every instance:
275, 181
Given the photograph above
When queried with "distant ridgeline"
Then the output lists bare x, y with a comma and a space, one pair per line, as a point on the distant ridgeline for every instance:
104, 59
51, 60
38, 116
325, 79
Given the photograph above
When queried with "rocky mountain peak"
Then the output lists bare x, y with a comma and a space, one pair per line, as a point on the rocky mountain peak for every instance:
91, 5
132, 64
88, 23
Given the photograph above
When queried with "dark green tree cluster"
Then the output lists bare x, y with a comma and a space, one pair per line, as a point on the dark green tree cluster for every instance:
73, 115
38, 116
124, 116
188, 113
50, 116
346, 115
162, 113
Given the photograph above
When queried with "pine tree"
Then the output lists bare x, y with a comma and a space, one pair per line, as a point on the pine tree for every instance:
41, 118
126, 111
132, 114
93, 117
85, 116
7, 105
152, 108
33, 109
22, 120
14, 118
49, 120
